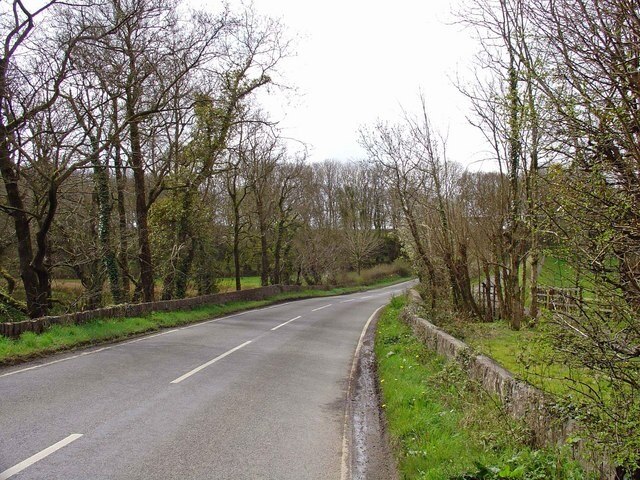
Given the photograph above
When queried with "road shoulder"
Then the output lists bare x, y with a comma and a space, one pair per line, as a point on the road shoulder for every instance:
369, 456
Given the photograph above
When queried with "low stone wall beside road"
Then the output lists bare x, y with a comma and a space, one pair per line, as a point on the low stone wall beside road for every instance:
520, 400
38, 325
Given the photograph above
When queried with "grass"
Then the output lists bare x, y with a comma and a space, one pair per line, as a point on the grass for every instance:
442, 426
556, 272
524, 352
528, 355
228, 284
58, 337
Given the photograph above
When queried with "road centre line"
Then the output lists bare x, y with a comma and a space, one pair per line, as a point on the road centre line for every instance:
199, 324
10, 472
210, 362
350, 300
145, 337
320, 308
288, 321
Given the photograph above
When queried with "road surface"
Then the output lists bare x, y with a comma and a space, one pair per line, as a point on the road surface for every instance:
255, 395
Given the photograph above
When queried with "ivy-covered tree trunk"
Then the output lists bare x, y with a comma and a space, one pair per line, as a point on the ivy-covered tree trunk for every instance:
236, 247
277, 252
533, 200
177, 280
513, 231
103, 200
123, 243
144, 253
264, 247
422, 255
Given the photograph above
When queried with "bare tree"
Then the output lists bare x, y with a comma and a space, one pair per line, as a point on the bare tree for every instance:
391, 147
31, 80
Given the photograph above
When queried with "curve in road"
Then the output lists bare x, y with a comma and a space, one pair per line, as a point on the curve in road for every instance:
255, 395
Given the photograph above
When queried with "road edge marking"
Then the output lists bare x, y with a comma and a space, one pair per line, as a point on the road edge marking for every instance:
210, 362
10, 472
346, 457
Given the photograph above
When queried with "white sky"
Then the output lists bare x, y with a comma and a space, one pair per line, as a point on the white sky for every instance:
360, 60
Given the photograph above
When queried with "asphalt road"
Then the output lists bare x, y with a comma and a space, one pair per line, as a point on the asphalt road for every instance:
256, 395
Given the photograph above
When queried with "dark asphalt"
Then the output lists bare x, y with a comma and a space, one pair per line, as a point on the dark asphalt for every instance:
273, 409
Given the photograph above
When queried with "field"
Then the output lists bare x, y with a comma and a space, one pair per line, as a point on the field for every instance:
228, 284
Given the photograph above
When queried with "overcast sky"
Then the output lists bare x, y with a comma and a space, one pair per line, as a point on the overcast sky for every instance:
360, 60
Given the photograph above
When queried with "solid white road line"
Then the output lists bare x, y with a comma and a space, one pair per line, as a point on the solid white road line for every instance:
210, 362
320, 308
288, 321
346, 468
10, 472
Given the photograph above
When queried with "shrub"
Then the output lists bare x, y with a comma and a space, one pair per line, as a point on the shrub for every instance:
403, 267
379, 272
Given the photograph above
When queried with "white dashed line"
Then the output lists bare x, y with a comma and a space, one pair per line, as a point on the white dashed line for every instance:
145, 337
10, 472
210, 362
320, 308
288, 321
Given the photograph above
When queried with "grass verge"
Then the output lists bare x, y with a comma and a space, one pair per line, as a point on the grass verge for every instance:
58, 338
442, 425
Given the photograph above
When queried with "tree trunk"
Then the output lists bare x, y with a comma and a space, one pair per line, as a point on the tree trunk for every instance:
144, 254
184, 267
185, 238
499, 290
11, 282
264, 248
512, 285
431, 271
277, 251
175, 283
490, 310
464, 282
236, 250
535, 271
103, 199
123, 258
36, 297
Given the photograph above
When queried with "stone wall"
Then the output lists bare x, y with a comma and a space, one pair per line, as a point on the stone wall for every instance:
38, 325
520, 400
